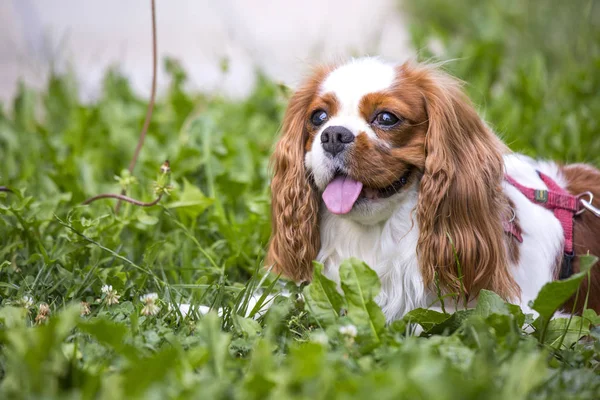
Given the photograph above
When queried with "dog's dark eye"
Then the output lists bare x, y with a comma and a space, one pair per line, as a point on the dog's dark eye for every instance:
318, 117
386, 119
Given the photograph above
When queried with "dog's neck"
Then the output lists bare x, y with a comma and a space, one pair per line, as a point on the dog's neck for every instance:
388, 247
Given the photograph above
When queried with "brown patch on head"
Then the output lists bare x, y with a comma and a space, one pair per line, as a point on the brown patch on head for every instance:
295, 226
377, 165
586, 236
380, 162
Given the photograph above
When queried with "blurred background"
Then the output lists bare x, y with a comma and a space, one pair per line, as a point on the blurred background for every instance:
522, 59
281, 38
75, 77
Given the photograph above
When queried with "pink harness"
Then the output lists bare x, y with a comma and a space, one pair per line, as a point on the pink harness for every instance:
565, 207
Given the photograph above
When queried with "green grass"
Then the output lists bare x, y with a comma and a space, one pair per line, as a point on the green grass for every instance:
532, 67
536, 82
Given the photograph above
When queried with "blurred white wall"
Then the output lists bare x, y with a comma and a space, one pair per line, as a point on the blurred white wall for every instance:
283, 38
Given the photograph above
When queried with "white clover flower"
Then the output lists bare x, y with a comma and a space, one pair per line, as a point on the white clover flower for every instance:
111, 296
150, 306
149, 298
349, 330
150, 309
84, 308
27, 302
43, 313
44, 309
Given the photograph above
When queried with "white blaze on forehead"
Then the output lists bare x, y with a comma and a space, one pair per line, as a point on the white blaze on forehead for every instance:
349, 83
359, 77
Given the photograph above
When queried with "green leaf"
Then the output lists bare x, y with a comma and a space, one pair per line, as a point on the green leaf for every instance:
192, 202
12, 317
142, 375
562, 332
323, 300
110, 333
260, 378
517, 314
426, 318
147, 219
307, 361
248, 326
554, 294
523, 372
451, 324
209, 329
360, 285
591, 316
489, 303
64, 322
398, 326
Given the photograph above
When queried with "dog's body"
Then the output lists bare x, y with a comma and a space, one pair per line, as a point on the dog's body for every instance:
391, 164
390, 246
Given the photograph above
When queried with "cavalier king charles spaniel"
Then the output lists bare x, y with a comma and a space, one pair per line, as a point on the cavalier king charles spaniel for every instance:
391, 164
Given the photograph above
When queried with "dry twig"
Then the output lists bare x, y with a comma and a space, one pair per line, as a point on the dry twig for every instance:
144, 131
121, 197
161, 187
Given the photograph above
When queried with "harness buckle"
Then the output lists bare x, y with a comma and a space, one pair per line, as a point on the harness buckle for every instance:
514, 215
587, 204
541, 196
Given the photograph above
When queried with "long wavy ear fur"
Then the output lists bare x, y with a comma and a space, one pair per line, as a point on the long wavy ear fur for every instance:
461, 239
295, 237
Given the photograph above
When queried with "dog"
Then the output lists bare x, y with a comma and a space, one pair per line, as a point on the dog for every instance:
391, 163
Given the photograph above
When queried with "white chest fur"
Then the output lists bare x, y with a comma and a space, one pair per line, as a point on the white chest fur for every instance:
389, 247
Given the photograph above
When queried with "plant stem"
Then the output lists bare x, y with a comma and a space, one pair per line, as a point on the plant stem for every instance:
121, 197
144, 131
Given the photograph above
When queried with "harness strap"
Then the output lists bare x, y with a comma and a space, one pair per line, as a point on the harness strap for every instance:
558, 200
513, 229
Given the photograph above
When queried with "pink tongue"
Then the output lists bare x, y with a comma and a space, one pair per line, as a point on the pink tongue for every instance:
341, 193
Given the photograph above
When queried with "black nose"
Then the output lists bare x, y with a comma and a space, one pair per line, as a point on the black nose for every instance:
335, 138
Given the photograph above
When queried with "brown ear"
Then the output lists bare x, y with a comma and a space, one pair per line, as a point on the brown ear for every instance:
295, 237
460, 214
